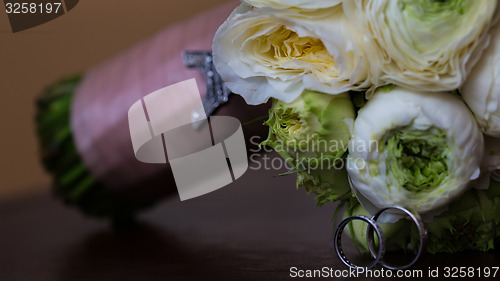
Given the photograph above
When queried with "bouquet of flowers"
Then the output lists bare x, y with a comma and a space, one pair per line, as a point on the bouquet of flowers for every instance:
380, 103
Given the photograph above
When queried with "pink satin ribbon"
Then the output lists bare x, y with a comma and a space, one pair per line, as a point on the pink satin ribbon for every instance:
99, 111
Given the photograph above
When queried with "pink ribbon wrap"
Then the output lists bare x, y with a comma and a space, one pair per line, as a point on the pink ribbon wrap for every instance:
99, 118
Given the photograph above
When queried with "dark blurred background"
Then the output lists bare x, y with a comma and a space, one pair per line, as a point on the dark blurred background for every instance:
92, 32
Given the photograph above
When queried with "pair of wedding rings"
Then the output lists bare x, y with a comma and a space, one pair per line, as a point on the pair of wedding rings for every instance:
374, 227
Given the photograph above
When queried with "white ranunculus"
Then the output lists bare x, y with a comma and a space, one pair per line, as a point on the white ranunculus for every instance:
299, 4
424, 44
481, 90
264, 52
413, 149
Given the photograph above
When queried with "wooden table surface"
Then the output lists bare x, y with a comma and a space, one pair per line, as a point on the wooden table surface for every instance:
257, 228
254, 229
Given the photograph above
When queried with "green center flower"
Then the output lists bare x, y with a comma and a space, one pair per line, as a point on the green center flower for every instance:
418, 160
428, 10
292, 127
312, 134
312, 126
433, 24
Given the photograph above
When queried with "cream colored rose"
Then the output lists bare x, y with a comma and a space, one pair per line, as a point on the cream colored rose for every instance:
263, 52
424, 44
481, 90
299, 4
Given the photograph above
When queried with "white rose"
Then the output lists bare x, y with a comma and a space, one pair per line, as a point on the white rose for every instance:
413, 149
263, 53
424, 44
481, 90
287, 4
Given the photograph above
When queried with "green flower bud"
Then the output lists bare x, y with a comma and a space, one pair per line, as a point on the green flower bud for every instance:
312, 134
